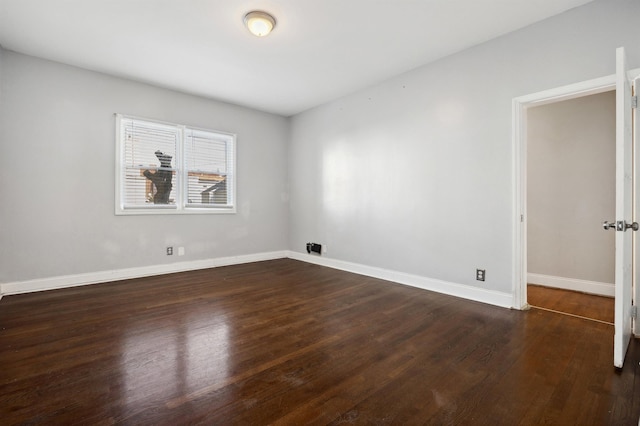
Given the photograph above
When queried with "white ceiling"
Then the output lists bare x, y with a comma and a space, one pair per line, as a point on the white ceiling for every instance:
320, 49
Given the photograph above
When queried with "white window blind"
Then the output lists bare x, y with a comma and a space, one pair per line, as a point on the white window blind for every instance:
165, 166
149, 159
209, 166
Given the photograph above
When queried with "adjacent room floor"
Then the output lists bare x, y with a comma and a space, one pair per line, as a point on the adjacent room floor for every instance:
290, 343
589, 306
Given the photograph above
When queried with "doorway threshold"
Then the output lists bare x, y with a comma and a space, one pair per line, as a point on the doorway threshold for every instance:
571, 315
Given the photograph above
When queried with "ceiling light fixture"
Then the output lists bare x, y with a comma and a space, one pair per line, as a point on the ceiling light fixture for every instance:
259, 23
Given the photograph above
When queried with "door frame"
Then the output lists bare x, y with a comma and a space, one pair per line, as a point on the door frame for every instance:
519, 171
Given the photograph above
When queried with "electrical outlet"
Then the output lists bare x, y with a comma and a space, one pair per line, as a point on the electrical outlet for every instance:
480, 274
169, 251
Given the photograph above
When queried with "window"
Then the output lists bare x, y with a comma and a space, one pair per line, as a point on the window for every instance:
169, 168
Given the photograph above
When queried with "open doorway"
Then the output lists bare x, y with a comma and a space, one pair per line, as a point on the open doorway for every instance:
624, 81
570, 192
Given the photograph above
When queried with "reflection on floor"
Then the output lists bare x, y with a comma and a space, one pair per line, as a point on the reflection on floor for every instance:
589, 306
292, 343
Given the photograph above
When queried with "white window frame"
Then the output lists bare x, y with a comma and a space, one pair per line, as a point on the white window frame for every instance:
181, 205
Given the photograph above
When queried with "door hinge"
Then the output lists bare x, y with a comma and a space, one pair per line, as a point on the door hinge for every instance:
634, 102
521, 218
634, 312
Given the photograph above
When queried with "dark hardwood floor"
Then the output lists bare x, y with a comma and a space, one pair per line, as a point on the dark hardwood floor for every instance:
590, 306
289, 343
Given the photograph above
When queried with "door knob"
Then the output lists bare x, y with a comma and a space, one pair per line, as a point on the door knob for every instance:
620, 225
633, 226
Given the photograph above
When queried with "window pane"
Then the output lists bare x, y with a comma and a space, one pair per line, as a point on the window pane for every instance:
149, 163
208, 160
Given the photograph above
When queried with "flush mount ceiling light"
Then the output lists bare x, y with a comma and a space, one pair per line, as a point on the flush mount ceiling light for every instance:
259, 23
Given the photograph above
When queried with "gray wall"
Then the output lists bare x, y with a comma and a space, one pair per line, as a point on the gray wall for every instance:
412, 175
571, 188
57, 162
1, 60
415, 174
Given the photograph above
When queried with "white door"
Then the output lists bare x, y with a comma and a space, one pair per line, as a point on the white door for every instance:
636, 190
624, 202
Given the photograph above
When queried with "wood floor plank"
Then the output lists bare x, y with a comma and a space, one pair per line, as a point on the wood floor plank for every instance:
285, 342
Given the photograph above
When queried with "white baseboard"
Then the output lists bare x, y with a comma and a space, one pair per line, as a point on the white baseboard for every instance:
65, 281
452, 289
491, 297
591, 287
